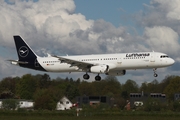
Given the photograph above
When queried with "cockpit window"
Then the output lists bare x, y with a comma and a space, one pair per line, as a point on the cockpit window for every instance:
164, 56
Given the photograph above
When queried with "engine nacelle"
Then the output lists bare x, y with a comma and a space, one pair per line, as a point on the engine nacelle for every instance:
99, 69
116, 72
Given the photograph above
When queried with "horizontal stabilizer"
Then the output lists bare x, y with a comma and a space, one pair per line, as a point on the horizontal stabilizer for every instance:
17, 62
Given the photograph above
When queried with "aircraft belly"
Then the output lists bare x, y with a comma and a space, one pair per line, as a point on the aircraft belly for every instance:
60, 68
134, 64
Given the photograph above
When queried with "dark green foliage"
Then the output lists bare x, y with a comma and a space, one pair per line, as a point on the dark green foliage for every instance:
45, 99
9, 104
152, 105
6, 94
26, 87
172, 88
129, 87
176, 105
46, 92
107, 87
8, 87
43, 81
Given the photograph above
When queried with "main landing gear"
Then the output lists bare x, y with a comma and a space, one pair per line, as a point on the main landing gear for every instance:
86, 76
97, 78
155, 74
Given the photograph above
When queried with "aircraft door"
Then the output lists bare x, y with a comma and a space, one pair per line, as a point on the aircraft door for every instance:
152, 59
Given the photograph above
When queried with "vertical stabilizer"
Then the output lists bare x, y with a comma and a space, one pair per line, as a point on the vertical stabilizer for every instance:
25, 53
27, 57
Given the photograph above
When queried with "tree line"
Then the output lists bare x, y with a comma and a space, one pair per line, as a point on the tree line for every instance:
46, 92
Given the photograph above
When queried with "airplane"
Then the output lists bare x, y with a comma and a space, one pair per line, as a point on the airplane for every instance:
109, 64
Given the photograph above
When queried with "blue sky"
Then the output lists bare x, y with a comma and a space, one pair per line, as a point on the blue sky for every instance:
91, 27
115, 11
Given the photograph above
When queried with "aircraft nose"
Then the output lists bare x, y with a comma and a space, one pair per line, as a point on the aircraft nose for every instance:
171, 61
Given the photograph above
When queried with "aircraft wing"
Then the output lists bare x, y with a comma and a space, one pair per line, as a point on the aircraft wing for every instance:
80, 64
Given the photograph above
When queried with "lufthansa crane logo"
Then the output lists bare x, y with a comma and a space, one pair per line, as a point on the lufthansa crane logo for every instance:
23, 51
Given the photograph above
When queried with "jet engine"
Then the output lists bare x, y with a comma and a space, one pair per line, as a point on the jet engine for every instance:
116, 72
99, 69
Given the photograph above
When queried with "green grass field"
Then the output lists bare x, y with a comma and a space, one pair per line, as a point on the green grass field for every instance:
88, 118
92, 115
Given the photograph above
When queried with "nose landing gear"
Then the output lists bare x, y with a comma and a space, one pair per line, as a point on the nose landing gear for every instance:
155, 74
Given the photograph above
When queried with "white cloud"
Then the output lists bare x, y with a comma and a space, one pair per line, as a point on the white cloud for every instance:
161, 38
171, 8
58, 27
161, 13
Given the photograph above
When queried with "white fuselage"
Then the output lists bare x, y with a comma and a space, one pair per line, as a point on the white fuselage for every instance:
109, 64
124, 61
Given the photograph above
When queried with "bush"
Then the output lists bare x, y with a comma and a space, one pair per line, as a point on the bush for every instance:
176, 105
10, 104
152, 105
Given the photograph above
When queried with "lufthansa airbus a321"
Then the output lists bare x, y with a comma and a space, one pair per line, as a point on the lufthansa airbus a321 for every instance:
109, 64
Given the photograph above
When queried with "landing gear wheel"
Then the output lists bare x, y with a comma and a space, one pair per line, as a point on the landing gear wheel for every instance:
86, 76
98, 78
155, 75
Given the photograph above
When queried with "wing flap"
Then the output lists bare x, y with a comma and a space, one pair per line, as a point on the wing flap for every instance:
80, 64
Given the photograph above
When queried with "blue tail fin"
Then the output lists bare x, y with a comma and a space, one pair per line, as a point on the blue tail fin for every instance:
25, 53
27, 57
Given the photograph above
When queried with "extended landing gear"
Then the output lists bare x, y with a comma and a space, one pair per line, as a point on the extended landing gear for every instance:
97, 78
86, 76
155, 74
